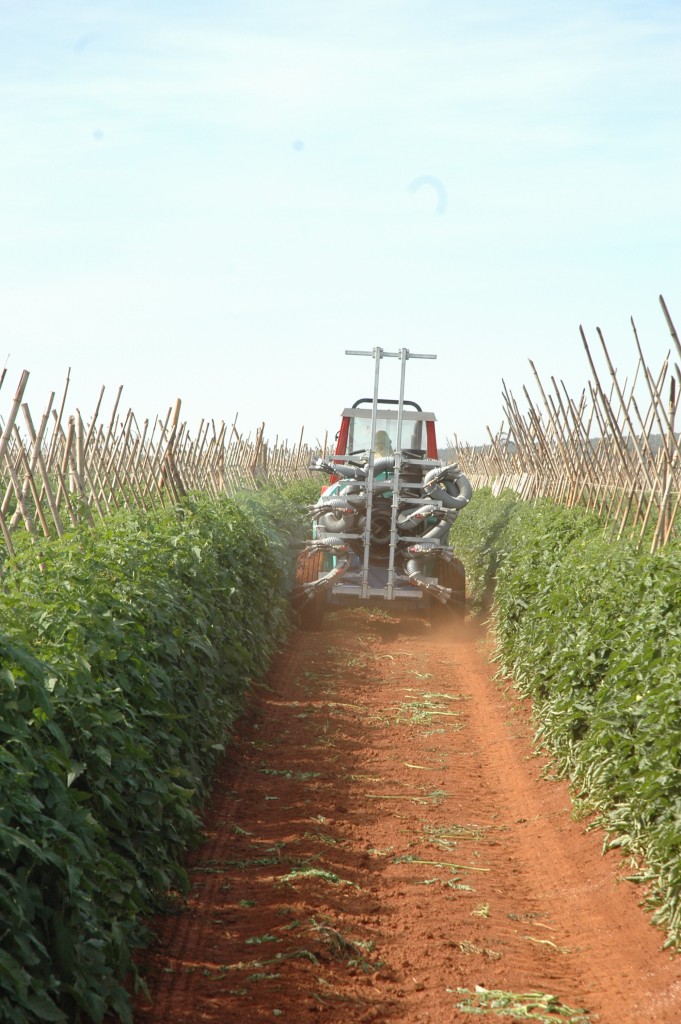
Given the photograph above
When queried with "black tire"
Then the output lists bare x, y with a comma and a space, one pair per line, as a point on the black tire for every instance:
452, 575
310, 609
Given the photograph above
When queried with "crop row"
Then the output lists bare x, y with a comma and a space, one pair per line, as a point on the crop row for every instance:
126, 653
591, 630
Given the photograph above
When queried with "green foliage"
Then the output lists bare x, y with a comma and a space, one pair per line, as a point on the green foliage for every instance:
126, 651
519, 1006
591, 630
476, 538
280, 513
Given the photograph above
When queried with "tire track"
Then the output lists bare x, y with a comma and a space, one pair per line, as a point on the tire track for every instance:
382, 835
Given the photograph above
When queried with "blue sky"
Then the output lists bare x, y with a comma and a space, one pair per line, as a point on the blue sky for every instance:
212, 200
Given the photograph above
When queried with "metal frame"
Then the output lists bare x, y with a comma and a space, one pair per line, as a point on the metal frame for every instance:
377, 354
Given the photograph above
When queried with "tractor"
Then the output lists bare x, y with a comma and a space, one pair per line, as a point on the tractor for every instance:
381, 525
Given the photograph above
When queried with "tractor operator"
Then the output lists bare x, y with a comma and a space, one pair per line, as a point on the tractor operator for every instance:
383, 444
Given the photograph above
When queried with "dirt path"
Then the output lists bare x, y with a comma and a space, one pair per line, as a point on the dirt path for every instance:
382, 836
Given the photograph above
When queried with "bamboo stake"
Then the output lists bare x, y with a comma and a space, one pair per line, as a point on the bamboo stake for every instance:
84, 470
21, 501
93, 421
621, 470
168, 476
670, 325
4, 442
300, 445
625, 409
98, 485
16, 404
62, 493
665, 504
578, 460
36, 451
55, 436
71, 450
40, 461
32, 487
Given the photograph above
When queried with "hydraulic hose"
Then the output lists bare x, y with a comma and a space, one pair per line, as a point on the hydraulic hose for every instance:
386, 464
408, 520
345, 558
414, 566
457, 490
339, 469
337, 515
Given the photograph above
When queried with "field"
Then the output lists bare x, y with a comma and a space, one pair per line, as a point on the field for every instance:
208, 814
372, 831
384, 841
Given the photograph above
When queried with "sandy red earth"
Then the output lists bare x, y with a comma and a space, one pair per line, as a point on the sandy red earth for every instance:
383, 842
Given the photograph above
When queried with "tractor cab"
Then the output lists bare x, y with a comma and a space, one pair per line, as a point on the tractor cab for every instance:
415, 433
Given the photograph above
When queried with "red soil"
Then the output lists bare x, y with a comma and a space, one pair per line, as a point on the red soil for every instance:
381, 835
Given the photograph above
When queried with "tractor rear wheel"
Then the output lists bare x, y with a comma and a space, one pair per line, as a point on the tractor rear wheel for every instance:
310, 609
453, 576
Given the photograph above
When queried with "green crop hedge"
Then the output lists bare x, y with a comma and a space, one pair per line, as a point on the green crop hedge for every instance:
125, 651
591, 630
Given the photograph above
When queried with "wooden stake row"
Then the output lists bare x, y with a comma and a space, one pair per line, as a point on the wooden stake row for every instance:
66, 472
614, 450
